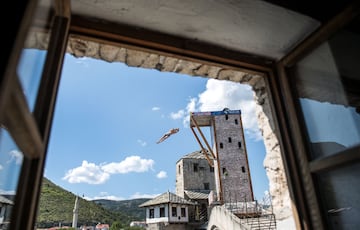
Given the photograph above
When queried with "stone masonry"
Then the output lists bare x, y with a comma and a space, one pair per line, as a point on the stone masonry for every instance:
234, 168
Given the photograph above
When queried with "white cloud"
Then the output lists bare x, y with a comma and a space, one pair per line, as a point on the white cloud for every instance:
83, 61
161, 175
89, 173
178, 115
141, 142
220, 94
105, 196
1, 167
16, 155
7, 192
138, 195
130, 164
155, 108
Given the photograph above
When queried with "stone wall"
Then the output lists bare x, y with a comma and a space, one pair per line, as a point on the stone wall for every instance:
273, 162
234, 170
188, 179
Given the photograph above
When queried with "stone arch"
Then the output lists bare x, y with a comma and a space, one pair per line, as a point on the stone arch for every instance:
273, 163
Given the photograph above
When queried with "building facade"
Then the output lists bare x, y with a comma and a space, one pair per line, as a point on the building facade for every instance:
167, 211
193, 173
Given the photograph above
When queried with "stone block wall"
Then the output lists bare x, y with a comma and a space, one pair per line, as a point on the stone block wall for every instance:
232, 157
189, 179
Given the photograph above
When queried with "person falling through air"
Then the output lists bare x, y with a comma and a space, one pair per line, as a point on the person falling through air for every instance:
168, 134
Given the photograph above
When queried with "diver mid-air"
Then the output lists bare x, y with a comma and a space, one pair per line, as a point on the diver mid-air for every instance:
168, 134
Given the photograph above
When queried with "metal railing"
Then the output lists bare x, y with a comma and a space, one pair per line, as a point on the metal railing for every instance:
254, 214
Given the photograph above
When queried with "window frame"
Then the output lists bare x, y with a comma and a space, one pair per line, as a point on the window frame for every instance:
303, 167
30, 130
290, 140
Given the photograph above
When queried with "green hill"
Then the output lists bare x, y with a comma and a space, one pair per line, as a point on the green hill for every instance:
130, 206
56, 206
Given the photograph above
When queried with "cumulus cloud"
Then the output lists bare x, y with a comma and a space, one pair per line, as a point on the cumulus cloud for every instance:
138, 195
142, 143
220, 94
155, 108
178, 115
91, 173
130, 164
161, 175
106, 196
16, 155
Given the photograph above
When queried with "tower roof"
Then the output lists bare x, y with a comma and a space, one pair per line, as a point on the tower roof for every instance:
165, 198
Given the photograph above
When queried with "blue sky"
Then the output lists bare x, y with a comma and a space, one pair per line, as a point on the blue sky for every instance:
108, 117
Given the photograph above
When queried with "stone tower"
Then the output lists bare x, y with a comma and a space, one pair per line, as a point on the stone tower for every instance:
230, 160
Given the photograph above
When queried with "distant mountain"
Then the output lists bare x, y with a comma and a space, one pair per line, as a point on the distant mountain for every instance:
129, 206
56, 206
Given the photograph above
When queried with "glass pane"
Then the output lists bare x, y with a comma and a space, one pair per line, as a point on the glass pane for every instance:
11, 159
33, 55
328, 86
29, 72
340, 191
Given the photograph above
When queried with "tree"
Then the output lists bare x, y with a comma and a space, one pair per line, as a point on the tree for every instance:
116, 225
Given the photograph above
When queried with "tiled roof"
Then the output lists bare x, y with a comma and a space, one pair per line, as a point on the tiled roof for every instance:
165, 198
196, 155
197, 195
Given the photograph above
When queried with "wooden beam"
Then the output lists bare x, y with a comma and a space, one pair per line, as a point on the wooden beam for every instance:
348, 156
175, 45
204, 151
203, 137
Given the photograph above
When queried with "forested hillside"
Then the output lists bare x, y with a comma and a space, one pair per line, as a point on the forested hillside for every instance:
56, 207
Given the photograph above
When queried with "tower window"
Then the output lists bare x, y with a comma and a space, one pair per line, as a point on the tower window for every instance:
179, 171
221, 145
211, 169
243, 169
226, 117
206, 186
239, 143
229, 139
196, 167
236, 121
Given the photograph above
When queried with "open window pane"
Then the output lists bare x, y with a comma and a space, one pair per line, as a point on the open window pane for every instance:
340, 197
29, 71
31, 61
11, 159
328, 87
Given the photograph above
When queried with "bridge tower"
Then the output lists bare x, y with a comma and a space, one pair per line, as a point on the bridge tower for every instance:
228, 153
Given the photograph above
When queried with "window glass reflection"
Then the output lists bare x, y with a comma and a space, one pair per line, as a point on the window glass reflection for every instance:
11, 159
33, 55
328, 86
340, 197
29, 71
